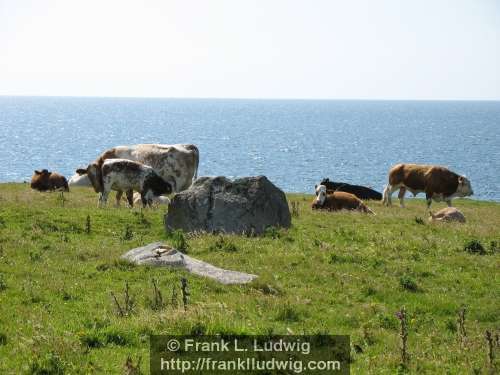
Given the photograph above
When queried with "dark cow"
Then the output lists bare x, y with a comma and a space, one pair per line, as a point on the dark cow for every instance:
361, 192
338, 200
45, 181
126, 175
438, 183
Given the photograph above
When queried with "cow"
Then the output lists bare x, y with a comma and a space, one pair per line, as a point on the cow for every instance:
447, 214
361, 192
157, 200
337, 200
46, 181
126, 175
77, 180
177, 164
438, 183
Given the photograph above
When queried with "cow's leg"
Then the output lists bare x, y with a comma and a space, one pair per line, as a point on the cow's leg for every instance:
428, 197
103, 198
119, 194
401, 196
389, 189
130, 198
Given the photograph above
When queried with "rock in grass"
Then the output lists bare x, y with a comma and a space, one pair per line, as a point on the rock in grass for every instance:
215, 204
157, 254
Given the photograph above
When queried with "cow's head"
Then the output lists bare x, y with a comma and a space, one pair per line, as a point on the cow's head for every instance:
320, 196
94, 174
464, 188
40, 180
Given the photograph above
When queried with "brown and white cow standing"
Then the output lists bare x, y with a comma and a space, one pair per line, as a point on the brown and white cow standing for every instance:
44, 181
337, 200
438, 183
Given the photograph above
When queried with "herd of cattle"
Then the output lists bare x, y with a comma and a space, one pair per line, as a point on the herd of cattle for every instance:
155, 170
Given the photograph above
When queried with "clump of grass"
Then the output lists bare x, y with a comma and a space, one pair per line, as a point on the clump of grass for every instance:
474, 247
127, 233
88, 225
451, 325
387, 322
265, 288
141, 218
128, 302
288, 313
3, 339
35, 256
3, 284
419, 220
179, 241
272, 232
494, 247
49, 363
130, 368
408, 283
338, 258
223, 244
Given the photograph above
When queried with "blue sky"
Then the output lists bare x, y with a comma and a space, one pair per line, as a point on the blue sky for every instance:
350, 49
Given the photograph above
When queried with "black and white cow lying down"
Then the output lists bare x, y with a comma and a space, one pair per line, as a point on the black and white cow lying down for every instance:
126, 175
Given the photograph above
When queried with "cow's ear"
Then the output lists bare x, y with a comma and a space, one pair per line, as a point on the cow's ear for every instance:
81, 171
460, 179
38, 172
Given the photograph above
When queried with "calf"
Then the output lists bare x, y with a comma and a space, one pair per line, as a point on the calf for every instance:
362, 192
448, 214
438, 183
157, 200
44, 180
337, 200
126, 175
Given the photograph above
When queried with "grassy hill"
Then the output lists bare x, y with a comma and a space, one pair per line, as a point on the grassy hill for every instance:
338, 273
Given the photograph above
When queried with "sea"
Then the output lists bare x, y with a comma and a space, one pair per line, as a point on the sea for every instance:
295, 143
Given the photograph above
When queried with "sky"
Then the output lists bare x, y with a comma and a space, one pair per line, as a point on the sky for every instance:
309, 49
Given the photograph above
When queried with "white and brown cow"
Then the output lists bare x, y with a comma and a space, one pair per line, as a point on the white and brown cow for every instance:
177, 164
438, 183
126, 175
337, 200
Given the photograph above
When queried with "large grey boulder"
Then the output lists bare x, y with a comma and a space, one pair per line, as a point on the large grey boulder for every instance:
216, 204
158, 254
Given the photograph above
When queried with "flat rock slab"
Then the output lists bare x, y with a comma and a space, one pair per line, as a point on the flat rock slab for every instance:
158, 254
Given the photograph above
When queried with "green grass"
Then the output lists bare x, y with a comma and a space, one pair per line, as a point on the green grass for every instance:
338, 273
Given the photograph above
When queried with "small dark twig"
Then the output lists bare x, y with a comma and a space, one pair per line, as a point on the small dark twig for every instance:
185, 292
174, 297
461, 325
120, 310
87, 225
491, 353
401, 315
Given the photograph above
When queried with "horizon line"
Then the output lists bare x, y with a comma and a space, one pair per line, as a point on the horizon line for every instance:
244, 98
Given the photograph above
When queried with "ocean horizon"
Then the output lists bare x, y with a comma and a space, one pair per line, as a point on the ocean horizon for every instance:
294, 142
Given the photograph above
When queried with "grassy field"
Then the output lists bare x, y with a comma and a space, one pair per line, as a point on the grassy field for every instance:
338, 273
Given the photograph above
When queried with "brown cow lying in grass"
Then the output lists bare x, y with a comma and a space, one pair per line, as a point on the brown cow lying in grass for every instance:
338, 200
47, 181
447, 214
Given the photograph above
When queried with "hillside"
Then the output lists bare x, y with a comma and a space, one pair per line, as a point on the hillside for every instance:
338, 273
